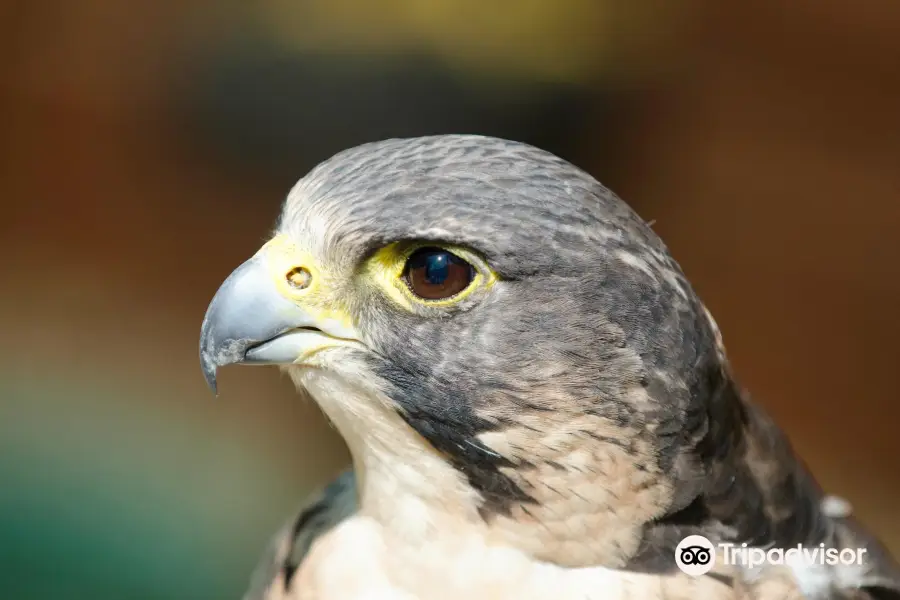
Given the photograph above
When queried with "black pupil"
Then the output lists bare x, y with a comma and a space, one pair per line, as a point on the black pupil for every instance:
437, 267
436, 264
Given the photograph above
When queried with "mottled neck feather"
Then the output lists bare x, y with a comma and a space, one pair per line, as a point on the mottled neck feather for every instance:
753, 465
756, 490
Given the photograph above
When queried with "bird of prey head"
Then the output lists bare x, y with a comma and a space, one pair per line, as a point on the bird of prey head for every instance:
508, 349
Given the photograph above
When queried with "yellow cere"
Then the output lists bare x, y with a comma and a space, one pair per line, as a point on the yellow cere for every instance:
298, 278
386, 267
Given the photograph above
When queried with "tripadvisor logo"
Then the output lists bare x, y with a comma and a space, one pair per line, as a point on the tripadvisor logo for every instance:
696, 555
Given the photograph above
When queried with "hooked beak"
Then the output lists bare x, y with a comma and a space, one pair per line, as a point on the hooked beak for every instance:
251, 321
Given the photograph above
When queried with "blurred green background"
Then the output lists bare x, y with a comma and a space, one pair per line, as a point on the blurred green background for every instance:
145, 147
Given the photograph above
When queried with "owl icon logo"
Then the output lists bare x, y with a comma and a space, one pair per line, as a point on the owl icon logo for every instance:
695, 555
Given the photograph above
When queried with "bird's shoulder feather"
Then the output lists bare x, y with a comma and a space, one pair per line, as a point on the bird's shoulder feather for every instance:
325, 509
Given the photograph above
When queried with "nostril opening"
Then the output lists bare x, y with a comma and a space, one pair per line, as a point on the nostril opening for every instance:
299, 278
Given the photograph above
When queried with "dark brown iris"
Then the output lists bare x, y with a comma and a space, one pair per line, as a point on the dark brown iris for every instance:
436, 274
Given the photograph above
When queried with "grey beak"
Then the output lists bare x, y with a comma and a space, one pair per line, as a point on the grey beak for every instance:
245, 320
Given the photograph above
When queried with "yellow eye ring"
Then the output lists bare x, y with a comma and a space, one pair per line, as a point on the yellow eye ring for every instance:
390, 268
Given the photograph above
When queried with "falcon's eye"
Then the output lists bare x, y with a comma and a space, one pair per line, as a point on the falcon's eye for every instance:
435, 274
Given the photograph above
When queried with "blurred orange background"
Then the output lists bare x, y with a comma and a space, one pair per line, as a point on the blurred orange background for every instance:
146, 147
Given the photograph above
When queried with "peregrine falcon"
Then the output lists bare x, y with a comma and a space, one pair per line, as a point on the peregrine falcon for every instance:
536, 402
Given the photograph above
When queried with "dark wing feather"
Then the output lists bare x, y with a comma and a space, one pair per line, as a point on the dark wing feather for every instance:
275, 572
